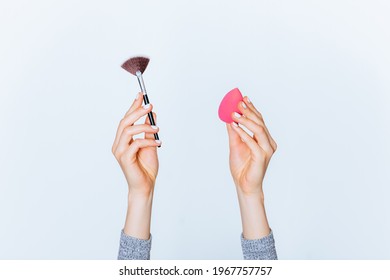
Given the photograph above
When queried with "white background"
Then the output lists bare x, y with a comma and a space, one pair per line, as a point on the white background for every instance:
318, 71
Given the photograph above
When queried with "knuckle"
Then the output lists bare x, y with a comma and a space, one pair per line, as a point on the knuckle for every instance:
116, 154
268, 153
260, 129
137, 141
259, 153
259, 115
123, 121
122, 158
128, 130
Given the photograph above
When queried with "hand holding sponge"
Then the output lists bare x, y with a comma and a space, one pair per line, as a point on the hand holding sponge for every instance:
229, 104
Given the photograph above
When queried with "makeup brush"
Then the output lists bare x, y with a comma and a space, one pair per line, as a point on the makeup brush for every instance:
136, 66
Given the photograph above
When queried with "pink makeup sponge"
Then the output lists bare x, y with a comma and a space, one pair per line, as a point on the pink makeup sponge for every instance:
229, 104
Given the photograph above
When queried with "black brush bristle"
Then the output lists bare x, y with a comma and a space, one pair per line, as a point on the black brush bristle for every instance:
135, 64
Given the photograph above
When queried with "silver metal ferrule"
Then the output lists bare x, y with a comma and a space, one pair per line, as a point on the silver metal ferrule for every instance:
141, 82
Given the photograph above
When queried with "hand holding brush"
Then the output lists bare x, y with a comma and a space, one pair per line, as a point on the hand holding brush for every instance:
136, 66
139, 162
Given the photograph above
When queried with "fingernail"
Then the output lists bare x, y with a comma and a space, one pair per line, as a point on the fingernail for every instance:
146, 106
158, 141
244, 105
235, 124
237, 115
137, 96
154, 127
247, 99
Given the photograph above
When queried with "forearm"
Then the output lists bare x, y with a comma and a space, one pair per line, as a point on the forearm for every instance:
136, 240
257, 239
138, 217
253, 215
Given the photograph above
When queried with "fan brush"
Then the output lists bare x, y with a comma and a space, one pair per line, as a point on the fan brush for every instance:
136, 66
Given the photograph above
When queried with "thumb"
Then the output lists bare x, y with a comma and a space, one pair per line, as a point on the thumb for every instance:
234, 138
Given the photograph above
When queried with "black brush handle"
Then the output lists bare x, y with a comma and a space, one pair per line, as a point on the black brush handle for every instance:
146, 100
150, 116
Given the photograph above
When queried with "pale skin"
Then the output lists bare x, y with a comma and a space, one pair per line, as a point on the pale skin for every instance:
139, 162
249, 159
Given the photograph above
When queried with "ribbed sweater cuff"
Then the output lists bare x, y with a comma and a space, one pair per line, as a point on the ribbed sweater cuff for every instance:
132, 248
259, 249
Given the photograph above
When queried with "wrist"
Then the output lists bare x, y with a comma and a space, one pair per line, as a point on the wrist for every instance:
251, 201
254, 194
140, 198
140, 193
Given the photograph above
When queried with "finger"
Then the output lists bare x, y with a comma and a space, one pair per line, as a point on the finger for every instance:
130, 120
138, 144
147, 121
250, 113
250, 105
234, 137
127, 136
258, 131
136, 104
249, 110
136, 115
247, 139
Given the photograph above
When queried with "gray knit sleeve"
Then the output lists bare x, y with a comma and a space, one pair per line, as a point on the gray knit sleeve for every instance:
259, 249
131, 248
